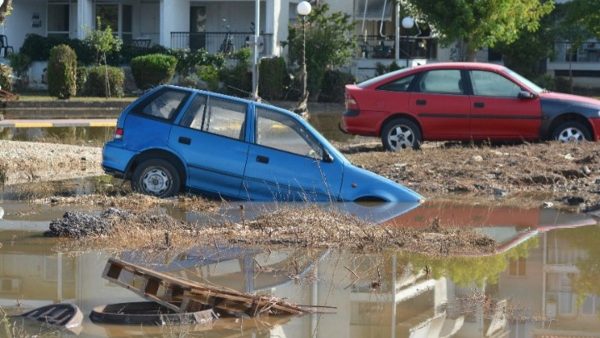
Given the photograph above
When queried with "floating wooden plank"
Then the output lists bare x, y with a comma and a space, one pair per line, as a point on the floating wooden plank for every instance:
185, 296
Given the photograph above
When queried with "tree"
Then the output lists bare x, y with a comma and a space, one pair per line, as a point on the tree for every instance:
103, 42
585, 14
329, 43
5, 10
482, 23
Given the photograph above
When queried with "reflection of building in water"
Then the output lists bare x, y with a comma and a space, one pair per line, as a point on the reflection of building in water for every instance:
377, 295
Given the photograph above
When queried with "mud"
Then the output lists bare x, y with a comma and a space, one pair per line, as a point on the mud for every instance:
565, 174
310, 227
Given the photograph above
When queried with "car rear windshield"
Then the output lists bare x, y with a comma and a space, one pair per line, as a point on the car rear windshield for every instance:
163, 104
379, 78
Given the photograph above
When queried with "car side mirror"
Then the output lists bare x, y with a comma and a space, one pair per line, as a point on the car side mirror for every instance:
327, 156
526, 95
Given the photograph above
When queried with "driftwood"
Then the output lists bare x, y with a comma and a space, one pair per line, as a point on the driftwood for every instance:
186, 296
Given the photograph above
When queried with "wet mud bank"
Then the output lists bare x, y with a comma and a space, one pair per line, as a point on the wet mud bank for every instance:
309, 227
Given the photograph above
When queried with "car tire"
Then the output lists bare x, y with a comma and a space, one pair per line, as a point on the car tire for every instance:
571, 131
156, 177
399, 134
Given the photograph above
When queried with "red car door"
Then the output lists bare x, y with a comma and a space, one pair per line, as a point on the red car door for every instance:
441, 105
497, 111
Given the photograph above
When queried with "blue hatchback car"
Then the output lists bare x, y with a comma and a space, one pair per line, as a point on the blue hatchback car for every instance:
174, 139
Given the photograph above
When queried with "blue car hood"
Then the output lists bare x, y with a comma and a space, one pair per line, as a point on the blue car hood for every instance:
362, 184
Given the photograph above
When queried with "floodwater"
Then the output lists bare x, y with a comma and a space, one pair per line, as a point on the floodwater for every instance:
543, 282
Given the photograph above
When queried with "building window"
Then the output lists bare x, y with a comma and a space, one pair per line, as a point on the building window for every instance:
118, 17
517, 267
58, 20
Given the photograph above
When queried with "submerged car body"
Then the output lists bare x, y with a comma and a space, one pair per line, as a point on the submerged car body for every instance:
174, 139
465, 101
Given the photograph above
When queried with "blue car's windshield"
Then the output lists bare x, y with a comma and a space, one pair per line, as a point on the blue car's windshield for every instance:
537, 89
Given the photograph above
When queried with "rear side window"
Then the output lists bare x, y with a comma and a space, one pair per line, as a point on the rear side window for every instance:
275, 130
447, 81
216, 116
400, 85
164, 105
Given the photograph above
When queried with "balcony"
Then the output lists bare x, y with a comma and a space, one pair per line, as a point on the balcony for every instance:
376, 47
220, 42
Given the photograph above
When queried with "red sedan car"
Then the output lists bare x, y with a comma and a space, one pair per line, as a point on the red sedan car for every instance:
464, 101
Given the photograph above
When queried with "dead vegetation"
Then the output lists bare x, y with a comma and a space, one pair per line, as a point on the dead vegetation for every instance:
552, 170
311, 227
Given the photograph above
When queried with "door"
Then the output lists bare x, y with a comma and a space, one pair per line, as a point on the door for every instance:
497, 112
210, 138
197, 27
441, 105
287, 163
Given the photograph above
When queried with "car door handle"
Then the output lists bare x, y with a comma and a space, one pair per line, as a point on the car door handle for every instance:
185, 140
262, 159
421, 102
479, 105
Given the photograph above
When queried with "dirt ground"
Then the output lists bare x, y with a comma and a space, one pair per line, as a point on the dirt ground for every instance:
561, 174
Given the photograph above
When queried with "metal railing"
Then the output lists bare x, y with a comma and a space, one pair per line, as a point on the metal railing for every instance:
376, 47
564, 51
220, 42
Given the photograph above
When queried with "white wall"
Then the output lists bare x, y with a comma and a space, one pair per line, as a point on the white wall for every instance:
175, 17
18, 24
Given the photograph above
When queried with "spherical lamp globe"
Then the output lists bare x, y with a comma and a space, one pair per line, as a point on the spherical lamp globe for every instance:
303, 8
408, 22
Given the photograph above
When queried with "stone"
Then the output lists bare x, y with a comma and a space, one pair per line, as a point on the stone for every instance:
569, 157
477, 158
547, 205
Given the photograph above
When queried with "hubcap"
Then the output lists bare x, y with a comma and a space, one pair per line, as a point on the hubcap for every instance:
571, 135
401, 137
156, 181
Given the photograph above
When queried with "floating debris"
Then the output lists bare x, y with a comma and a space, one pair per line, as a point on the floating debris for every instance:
186, 296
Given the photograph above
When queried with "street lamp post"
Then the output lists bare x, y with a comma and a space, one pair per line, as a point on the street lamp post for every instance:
303, 9
408, 23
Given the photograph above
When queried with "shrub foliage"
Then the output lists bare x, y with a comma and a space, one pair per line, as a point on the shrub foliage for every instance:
97, 79
152, 70
62, 72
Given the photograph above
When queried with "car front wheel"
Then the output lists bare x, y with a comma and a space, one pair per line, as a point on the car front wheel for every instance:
571, 131
157, 178
400, 134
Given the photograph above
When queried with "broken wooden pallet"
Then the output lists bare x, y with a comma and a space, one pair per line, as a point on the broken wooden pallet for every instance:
186, 296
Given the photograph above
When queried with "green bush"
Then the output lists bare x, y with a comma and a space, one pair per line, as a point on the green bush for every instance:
563, 84
37, 47
96, 81
210, 75
273, 79
82, 76
238, 79
152, 70
333, 85
5, 77
62, 72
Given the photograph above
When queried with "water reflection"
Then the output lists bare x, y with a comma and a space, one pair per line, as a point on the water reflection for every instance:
66, 135
546, 286
542, 283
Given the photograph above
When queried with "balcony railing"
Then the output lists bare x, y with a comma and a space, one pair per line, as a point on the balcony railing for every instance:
376, 47
587, 52
220, 42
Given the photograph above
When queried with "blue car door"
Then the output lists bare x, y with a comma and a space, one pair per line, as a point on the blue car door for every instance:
210, 136
287, 163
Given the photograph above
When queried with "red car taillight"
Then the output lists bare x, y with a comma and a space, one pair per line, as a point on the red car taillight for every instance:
351, 103
119, 133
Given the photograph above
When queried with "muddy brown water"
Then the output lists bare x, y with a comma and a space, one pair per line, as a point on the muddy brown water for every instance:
542, 283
